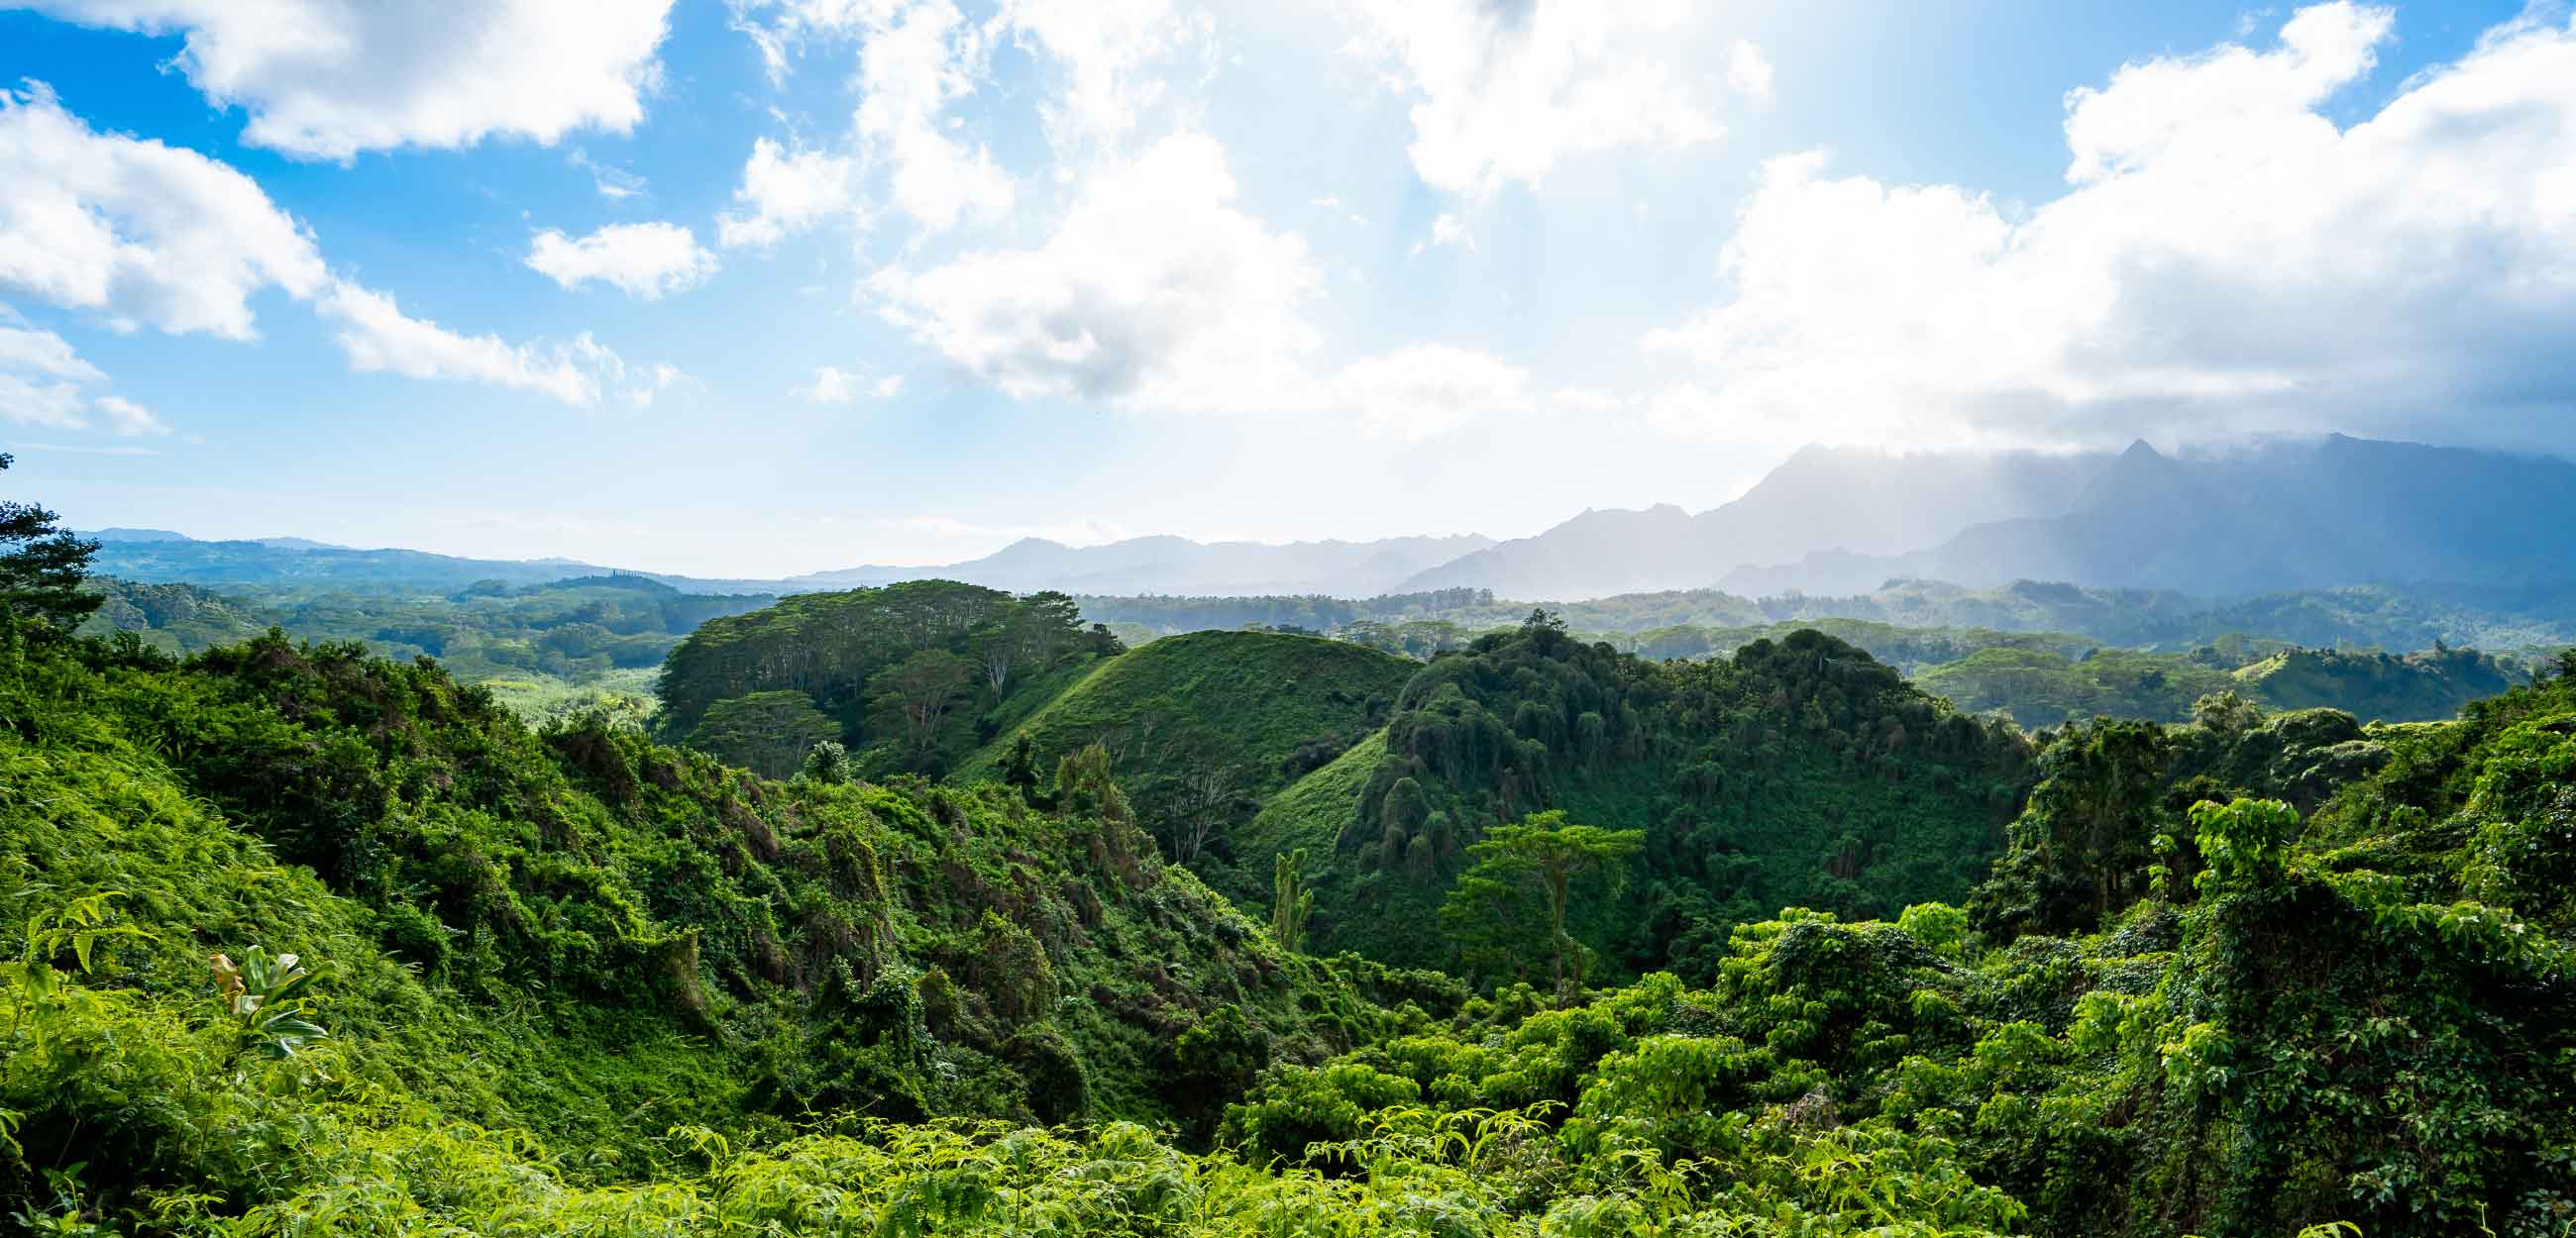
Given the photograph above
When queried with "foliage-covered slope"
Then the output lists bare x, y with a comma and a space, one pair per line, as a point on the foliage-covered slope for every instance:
1797, 773
579, 936
1201, 728
911, 676
2365, 1021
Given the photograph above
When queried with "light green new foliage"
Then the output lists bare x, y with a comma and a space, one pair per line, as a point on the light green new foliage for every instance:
1290, 902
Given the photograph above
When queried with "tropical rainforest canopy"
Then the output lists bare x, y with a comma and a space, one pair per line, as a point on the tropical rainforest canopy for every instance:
932, 909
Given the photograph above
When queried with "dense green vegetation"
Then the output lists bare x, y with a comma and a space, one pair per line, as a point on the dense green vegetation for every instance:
915, 676
1202, 728
2039, 688
547, 648
2043, 653
1797, 773
300, 940
2532, 621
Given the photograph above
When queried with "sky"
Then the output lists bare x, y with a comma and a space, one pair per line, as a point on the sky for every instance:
760, 287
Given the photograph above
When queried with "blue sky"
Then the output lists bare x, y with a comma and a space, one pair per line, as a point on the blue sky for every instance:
755, 288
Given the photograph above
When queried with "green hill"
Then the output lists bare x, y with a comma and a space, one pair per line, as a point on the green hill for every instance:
1266, 692
1797, 773
575, 934
1202, 727
2262, 1026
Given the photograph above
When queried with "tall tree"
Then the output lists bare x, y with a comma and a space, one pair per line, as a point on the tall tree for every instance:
915, 697
1546, 853
42, 566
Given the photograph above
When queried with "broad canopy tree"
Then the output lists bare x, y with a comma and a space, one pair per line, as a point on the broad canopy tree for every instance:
41, 568
1546, 854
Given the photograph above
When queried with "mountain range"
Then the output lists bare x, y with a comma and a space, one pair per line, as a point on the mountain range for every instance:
2284, 515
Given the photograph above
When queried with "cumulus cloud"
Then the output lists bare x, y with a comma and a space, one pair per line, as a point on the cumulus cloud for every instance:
330, 78
128, 419
30, 350
2226, 258
1448, 229
1508, 88
48, 406
1153, 289
135, 230
42, 379
1422, 391
1106, 49
833, 385
142, 233
648, 260
1156, 293
1748, 72
789, 190
916, 59
378, 337
911, 67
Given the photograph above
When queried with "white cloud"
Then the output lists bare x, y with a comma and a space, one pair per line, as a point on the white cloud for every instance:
140, 232
2226, 259
1584, 402
833, 385
1748, 72
614, 184
1155, 293
377, 336
52, 406
652, 380
780, 28
913, 64
136, 230
129, 419
1105, 48
330, 78
1153, 290
26, 349
648, 260
1421, 391
916, 59
41, 381
786, 191
1507, 88
1446, 230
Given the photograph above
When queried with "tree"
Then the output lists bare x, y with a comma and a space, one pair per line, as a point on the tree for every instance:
912, 698
42, 567
1047, 622
2078, 852
1291, 903
767, 732
1194, 791
1545, 853
2226, 713
828, 761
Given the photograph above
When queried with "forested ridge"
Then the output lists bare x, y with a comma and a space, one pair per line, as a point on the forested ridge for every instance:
304, 940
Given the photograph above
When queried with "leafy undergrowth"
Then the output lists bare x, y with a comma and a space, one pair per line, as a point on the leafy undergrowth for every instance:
576, 937
1803, 773
574, 983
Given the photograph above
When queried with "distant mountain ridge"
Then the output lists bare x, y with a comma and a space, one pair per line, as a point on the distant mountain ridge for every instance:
1821, 499
2275, 517
1143, 565
1177, 565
